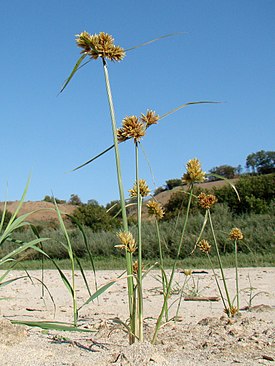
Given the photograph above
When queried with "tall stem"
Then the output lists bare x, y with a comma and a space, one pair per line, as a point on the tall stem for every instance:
139, 202
163, 274
237, 276
173, 268
220, 264
129, 264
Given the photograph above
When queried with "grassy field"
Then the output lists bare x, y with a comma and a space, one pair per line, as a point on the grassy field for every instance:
112, 263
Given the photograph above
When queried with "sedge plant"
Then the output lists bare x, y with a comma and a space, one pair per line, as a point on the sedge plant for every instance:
101, 47
206, 201
193, 174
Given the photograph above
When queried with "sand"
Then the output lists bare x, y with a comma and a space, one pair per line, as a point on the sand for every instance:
202, 336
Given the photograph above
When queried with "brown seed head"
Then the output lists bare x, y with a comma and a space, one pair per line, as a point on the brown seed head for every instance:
231, 311
135, 267
99, 45
131, 129
236, 234
155, 208
194, 172
143, 189
127, 241
207, 200
151, 118
204, 246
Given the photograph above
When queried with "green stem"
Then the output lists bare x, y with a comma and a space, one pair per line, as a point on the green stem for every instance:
220, 263
163, 275
173, 268
139, 275
237, 275
129, 262
216, 280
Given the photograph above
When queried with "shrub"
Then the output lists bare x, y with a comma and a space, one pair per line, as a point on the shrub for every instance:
95, 217
256, 194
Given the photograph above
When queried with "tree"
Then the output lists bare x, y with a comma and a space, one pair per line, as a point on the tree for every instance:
75, 200
262, 162
53, 199
92, 202
225, 171
172, 183
95, 217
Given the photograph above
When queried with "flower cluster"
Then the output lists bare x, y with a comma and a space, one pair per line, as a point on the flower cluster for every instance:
187, 272
127, 241
134, 127
204, 246
131, 129
143, 189
194, 172
99, 45
207, 200
155, 208
236, 234
232, 311
150, 118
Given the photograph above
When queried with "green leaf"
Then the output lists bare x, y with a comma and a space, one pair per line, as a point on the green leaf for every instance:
186, 105
52, 325
94, 158
154, 40
76, 222
228, 181
23, 247
76, 67
101, 290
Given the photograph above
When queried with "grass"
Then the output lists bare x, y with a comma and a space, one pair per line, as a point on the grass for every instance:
115, 263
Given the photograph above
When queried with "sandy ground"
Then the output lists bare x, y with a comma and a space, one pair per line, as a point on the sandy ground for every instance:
203, 336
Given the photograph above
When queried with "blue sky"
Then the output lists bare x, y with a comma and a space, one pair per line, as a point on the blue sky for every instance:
227, 54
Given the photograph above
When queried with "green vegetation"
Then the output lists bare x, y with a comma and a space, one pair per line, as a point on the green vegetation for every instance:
225, 171
258, 232
257, 194
262, 162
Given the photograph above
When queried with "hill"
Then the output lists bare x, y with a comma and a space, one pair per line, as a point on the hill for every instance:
42, 211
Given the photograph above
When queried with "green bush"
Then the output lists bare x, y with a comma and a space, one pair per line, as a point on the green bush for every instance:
95, 217
172, 183
256, 194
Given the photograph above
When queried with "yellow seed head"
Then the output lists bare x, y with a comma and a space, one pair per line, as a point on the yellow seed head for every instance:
194, 172
187, 272
151, 118
155, 208
204, 246
127, 241
236, 234
143, 189
99, 45
131, 129
207, 200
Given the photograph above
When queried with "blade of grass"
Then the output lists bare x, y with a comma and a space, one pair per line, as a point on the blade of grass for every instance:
76, 222
155, 40
101, 290
76, 67
226, 180
52, 325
